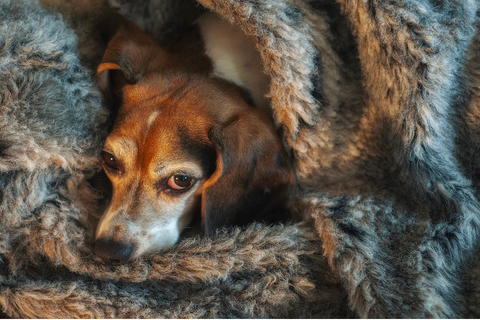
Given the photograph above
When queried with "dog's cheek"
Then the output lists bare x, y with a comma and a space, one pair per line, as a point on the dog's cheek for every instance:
161, 237
156, 231
160, 225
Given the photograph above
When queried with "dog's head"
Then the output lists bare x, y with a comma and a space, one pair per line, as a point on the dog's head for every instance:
181, 143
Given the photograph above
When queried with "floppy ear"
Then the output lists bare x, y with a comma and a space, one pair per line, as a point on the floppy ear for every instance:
253, 173
130, 54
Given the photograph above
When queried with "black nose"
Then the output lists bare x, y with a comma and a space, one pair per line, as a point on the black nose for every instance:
113, 252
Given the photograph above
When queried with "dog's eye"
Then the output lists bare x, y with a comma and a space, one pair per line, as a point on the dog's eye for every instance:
180, 182
109, 160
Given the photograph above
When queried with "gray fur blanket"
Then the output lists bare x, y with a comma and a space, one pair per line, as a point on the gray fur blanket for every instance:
378, 103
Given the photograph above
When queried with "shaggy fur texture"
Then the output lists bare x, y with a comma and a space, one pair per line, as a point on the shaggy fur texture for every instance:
378, 104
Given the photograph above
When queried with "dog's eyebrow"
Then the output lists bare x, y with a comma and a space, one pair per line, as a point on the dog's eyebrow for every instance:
128, 143
159, 168
121, 145
180, 166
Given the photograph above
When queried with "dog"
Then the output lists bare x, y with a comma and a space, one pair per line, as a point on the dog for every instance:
186, 141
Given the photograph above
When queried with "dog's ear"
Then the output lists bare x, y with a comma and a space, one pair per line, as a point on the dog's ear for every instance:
130, 54
253, 173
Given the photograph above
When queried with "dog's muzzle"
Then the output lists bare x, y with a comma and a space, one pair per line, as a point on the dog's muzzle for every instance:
113, 252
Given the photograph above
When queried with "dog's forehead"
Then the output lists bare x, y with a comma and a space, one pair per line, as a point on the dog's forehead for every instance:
171, 120
161, 136
189, 97
166, 102
158, 137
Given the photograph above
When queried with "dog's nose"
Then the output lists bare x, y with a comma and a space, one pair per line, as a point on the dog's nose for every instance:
113, 252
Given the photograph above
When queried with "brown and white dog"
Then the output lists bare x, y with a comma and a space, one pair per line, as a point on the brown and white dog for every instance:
184, 141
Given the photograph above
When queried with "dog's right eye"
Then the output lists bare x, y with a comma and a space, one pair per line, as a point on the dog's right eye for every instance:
180, 182
109, 160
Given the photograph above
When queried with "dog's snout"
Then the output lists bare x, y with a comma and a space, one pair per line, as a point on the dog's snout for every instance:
113, 252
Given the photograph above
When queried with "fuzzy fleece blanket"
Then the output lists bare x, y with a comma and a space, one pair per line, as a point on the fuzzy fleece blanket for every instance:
378, 103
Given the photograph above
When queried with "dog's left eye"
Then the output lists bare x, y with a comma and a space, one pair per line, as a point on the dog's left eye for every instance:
180, 182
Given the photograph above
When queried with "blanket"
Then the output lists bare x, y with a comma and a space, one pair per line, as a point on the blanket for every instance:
377, 103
